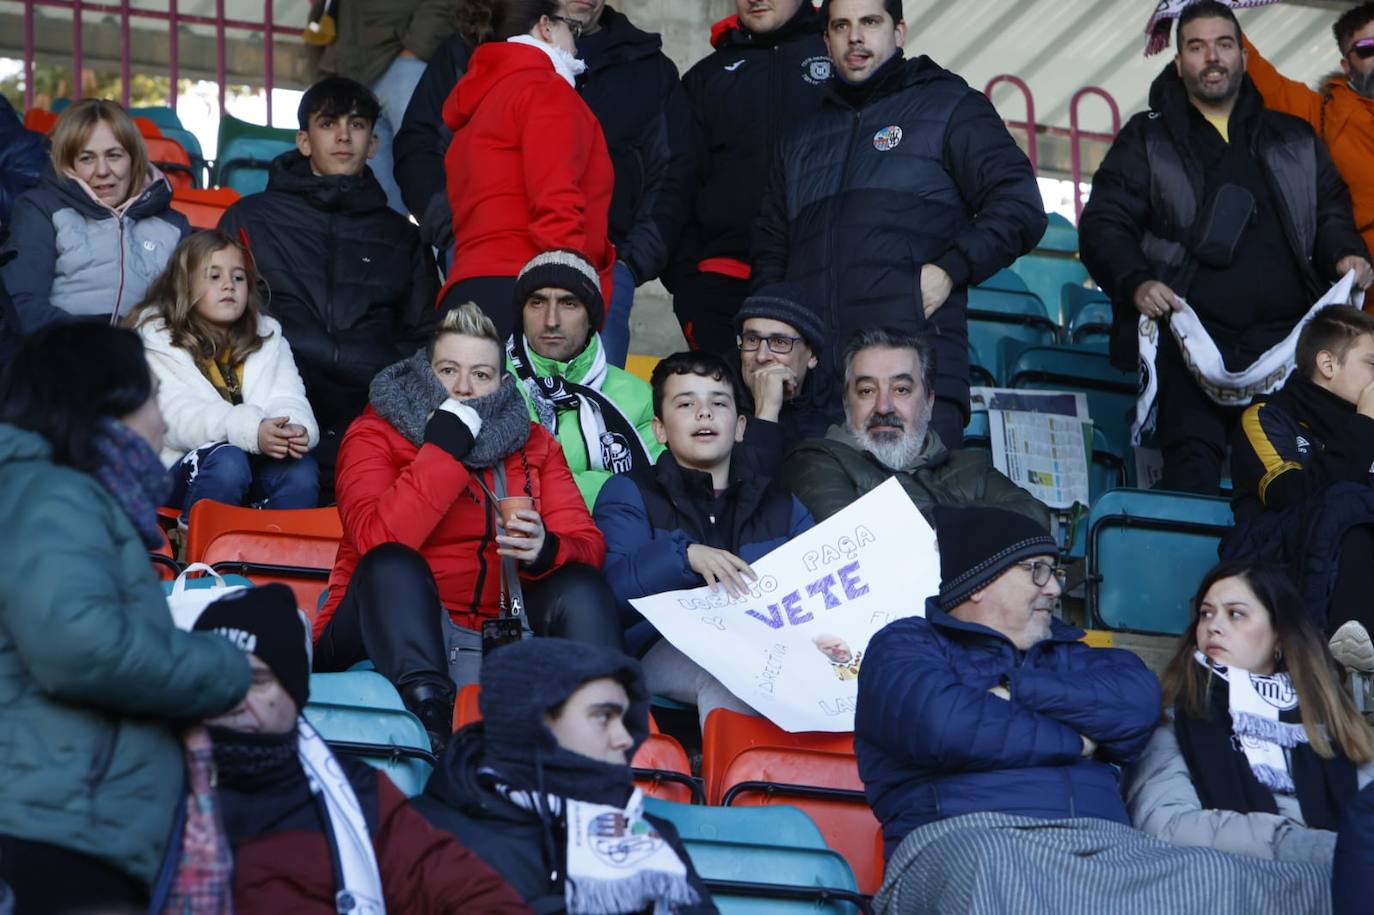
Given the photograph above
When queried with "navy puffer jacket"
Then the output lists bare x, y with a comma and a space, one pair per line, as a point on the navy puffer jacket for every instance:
860, 199
933, 743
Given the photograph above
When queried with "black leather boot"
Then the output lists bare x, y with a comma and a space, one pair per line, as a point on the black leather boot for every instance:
433, 705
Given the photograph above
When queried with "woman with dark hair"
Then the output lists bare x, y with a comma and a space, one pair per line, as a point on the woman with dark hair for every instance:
94, 672
528, 167
455, 509
1259, 749
97, 230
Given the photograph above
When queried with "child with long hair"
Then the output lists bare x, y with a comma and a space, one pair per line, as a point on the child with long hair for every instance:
239, 427
1260, 750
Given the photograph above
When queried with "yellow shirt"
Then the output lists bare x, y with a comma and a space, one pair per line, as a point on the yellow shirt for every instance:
1223, 125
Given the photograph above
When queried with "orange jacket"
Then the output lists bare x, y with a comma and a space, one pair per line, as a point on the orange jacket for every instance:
1340, 116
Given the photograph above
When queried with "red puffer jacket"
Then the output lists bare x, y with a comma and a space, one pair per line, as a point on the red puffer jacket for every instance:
528, 168
389, 491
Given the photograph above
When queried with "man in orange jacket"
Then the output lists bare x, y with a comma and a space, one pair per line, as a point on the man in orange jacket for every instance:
1342, 112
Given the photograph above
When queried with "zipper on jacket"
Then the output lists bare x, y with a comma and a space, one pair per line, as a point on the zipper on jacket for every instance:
488, 535
119, 296
329, 299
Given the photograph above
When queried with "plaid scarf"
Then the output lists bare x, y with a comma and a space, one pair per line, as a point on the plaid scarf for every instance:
133, 474
204, 880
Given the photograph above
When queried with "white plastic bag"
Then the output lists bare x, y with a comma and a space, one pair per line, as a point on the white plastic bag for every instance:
187, 604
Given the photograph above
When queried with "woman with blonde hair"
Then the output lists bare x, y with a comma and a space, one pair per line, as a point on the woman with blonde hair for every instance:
239, 426
1260, 750
461, 521
98, 229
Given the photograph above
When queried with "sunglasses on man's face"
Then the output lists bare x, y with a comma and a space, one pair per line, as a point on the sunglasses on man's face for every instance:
1363, 49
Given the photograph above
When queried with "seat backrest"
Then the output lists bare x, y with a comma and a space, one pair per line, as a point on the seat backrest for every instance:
1110, 392
1046, 271
244, 163
1093, 322
40, 119
1005, 279
161, 115
826, 786
767, 863
1060, 235
392, 740
357, 688
1075, 296
1147, 551
168, 155
665, 757
727, 734
293, 546
775, 825
992, 301
465, 707
203, 207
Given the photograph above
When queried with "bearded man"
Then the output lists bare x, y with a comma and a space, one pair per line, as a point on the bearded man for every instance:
888, 401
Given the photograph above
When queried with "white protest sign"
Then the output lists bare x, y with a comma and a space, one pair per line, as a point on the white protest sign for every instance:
793, 648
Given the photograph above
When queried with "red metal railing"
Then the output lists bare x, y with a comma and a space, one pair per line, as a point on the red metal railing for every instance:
1077, 135
1028, 125
124, 11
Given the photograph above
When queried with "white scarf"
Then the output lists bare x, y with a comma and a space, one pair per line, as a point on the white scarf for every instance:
568, 66
1204, 362
617, 862
1255, 701
1166, 11
359, 878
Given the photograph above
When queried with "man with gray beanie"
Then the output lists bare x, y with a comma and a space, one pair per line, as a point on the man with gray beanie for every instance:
990, 703
781, 332
600, 414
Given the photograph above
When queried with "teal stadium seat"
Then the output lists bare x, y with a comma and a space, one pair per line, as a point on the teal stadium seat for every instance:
1060, 235
246, 152
392, 740
775, 825
1053, 263
1147, 552
1005, 280
1111, 393
1002, 323
1074, 297
979, 375
363, 688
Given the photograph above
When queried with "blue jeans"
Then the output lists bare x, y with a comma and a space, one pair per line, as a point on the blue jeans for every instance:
224, 473
615, 336
393, 89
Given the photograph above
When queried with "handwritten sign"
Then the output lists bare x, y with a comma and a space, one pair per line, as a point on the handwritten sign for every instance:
793, 647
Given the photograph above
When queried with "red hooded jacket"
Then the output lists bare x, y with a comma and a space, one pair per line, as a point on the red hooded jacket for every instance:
389, 491
528, 168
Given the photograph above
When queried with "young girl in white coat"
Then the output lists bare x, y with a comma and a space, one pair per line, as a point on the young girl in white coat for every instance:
239, 427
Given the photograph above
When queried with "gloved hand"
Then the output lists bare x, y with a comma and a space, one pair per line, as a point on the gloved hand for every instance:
454, 427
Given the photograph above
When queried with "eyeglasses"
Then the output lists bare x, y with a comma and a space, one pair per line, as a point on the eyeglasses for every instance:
779, 344
1041, 572
574, 25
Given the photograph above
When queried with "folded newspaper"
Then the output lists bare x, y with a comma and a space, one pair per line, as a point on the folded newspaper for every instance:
1041, 441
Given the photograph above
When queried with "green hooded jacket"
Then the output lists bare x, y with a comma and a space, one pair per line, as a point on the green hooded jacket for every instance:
92, 671
631, 394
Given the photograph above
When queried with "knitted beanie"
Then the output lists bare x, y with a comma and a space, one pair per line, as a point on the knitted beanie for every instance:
978, 543
264, 621
561, 268
789, 303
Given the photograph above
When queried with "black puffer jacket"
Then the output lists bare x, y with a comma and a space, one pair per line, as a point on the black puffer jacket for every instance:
923, 171
1139, 223
350, 281
744, 96
631, 87
513, 745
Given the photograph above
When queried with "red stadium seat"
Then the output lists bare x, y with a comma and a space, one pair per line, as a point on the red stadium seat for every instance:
293, 547
203, 207
465, 708
826, 787
40, 120
728, 733
163, 560
171, 157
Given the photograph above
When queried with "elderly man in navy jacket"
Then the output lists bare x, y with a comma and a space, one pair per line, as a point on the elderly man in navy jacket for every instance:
989, 703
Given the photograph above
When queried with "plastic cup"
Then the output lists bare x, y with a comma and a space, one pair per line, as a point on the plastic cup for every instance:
512, 504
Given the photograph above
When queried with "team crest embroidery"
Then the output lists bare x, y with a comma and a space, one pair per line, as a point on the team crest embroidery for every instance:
816, 70
615, 453
887, 138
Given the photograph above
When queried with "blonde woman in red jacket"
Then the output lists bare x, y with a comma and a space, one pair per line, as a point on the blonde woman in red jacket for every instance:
528, 168
425, 559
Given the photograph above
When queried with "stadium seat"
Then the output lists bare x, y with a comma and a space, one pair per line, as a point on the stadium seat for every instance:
825, 786
246, 152
465, 707
1092, 323
641, 367
161, 115
163, 560
1147, 551
392, 740
978, 373
1051, 265
1060, 235
1005, 280
40, 120
727, 734
175, 163
1075, 295
294, 547
362, 688
1002, 323
203, 207
1111, 393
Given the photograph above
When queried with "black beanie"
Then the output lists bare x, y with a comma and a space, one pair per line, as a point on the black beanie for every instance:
561, 268
789, 303
264, 621
978, 543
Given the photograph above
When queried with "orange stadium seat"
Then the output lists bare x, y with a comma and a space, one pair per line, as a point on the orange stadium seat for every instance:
293, 547
40, 119
728, 734
203, 207
169, 156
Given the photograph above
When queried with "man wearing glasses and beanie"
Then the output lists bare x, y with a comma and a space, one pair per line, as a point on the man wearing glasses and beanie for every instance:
781, 331
991, 704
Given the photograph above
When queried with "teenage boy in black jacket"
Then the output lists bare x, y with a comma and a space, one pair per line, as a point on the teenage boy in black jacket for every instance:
348, 277
699, 519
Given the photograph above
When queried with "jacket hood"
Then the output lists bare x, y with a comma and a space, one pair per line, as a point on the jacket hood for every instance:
291, 174
154, 199
18, 444
492, 62
617, 41
933, 452
728, 33
455, 780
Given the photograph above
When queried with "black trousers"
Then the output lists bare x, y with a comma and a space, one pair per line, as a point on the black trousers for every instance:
1353, 596
391, 614
1194, 431
50, 880
706, 305
493, 294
